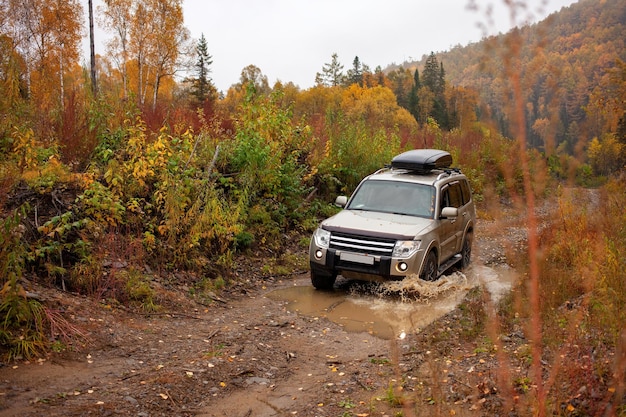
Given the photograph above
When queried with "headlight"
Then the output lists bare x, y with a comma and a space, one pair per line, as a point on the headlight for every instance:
322, 238
406, 248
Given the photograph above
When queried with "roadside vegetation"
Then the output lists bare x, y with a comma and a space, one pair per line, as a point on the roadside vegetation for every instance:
103, 193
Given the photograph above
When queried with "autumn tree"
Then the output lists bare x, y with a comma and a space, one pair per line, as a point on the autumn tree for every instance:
169, 45
116, 17
13, 86
462, 104
253, 76
378, 78
377, 106
150, 42
252, 83
47, 34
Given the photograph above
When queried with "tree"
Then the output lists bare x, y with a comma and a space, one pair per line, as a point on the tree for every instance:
116, 17
431, 75
168, 41
414, 102
332, 73
92, 51
202, 87
355, 74
402, 83
150, 41
433, 78
379, 76
252, 76
48, 35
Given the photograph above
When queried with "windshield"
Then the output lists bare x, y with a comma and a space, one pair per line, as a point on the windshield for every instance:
394, 197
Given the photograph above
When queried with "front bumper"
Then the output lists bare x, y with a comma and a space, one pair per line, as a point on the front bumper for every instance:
364, 267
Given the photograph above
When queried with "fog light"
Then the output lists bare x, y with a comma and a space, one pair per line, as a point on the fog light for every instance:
402, 267
319, 254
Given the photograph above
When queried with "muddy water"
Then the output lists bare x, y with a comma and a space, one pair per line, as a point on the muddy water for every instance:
392, 309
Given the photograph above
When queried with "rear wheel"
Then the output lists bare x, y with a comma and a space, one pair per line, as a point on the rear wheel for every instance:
430, 270
466, 251
322, 281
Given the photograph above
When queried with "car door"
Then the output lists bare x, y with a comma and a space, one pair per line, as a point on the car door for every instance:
446, 226
451, 231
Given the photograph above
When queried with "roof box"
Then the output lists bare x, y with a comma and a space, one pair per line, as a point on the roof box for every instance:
422, 160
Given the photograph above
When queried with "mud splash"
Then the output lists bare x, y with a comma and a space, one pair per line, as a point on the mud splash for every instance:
393, 309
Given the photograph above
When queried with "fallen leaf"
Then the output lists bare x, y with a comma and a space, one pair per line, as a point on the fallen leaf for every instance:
164, 396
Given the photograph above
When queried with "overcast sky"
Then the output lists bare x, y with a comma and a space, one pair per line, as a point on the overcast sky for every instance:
291, 40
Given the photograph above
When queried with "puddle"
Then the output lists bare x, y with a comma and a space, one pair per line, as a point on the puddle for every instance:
390, 309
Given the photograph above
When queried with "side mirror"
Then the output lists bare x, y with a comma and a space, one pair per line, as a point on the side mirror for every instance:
341, 201
449, 213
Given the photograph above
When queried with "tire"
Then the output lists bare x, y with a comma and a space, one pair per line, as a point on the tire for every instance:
322, 282
466, 251
430, 271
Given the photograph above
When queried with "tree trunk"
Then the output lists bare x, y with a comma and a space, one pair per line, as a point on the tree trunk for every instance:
94, 85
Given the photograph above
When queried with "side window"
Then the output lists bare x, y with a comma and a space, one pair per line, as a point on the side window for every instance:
467, 194
456, 198
451, 196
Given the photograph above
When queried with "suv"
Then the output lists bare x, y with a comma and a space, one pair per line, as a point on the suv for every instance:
415, 216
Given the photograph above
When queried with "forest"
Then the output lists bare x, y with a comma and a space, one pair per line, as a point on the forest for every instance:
124, 162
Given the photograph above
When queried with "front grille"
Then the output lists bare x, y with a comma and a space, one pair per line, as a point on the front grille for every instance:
362, 244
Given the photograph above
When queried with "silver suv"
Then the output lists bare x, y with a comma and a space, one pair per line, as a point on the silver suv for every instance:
415, 216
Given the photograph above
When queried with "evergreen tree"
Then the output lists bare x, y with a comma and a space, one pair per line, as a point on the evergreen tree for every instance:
414, 102
434, 79
431, 74
202, 87
379, 75
401, 85
355, 74
332, 74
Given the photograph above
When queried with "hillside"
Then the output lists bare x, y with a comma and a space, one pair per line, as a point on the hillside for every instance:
568, 59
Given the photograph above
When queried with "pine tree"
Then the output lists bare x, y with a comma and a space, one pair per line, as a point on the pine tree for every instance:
332, 74
202, 88
379, 75
414, 102
431, 74
355, 74
434, 79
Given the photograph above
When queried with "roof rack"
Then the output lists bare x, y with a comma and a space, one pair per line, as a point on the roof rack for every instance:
448, 172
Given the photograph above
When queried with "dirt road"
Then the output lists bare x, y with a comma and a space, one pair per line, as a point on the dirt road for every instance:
248, 355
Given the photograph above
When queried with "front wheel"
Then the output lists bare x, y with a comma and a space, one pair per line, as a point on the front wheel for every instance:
430, 270
323, 282
466, 251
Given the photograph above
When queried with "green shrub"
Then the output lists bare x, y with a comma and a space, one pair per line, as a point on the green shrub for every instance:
21, 329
